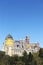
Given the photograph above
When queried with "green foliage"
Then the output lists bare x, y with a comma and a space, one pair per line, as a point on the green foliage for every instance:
20, 63
1, 54
30, 57
26, 59
41, 53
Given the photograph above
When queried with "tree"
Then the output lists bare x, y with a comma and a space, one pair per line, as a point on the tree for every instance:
30, 57
20, 63
24, 58
41, 53
2, 54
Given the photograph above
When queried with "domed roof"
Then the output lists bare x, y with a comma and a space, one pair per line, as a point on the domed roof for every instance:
9, 36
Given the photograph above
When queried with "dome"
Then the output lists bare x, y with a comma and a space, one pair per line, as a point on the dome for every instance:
9, 36
9, 41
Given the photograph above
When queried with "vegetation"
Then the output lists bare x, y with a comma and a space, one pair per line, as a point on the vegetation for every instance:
30, 59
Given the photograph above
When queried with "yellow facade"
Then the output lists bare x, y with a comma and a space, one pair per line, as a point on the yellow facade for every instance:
28, 46
9, 42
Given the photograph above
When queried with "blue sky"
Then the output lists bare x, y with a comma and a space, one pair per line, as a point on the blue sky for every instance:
21, 18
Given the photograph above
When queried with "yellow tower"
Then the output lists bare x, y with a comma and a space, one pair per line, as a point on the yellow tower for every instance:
9, 41
9, 45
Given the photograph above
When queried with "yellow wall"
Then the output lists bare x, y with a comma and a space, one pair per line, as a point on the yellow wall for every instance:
28, 45
9, 42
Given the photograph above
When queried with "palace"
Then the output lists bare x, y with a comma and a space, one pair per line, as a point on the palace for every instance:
12, 47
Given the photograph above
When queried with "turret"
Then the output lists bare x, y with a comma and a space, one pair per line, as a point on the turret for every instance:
27, 39
9, 41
